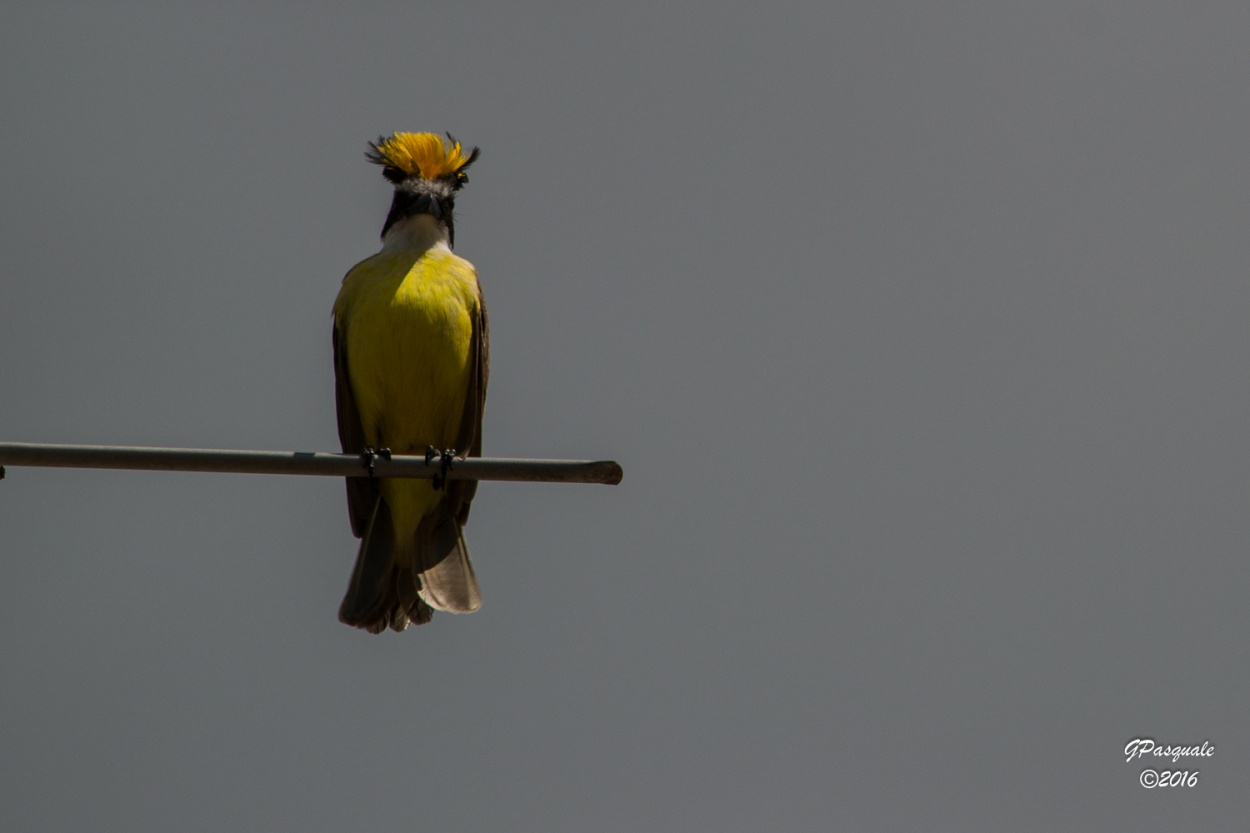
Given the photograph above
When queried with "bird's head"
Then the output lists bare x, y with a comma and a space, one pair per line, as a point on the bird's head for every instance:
426, 171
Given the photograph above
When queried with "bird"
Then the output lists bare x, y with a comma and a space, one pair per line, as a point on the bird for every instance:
411, 360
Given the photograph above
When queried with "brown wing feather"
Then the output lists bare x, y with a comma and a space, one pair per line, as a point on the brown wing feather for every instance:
442, 559
362, 492
469, 439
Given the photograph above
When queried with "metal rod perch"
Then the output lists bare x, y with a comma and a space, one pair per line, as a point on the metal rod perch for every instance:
607, 472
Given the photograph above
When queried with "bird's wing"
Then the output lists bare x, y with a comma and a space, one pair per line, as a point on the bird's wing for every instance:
362, 492
469, 437
442, 559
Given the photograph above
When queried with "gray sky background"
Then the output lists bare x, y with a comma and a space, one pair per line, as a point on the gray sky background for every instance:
919, 329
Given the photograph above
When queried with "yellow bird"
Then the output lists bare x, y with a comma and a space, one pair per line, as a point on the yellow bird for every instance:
411, 357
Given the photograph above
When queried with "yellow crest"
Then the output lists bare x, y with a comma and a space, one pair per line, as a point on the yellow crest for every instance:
423, 155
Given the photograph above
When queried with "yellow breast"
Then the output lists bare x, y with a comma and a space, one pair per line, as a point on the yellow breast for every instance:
407, 324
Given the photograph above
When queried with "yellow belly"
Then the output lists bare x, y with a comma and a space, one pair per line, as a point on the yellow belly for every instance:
407, 325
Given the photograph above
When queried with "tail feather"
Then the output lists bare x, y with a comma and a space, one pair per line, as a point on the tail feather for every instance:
446, 578
369, 581
381, 594
384, 593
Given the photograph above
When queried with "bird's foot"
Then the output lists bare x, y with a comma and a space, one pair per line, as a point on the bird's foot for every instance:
444, 458
370, 456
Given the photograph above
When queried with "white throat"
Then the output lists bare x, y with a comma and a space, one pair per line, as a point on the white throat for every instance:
418, 233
